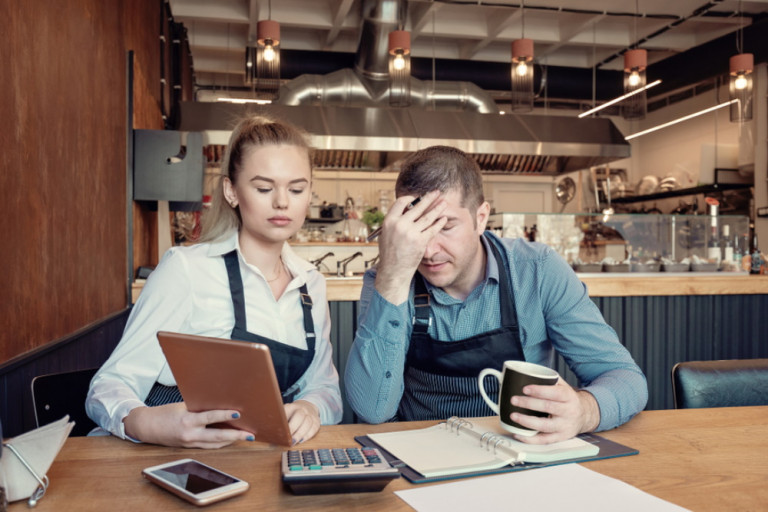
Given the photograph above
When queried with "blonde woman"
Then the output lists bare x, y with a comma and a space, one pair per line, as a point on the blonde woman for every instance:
241, 281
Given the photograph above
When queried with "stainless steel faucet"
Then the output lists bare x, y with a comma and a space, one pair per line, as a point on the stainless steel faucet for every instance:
341, 265
371, 262
319, 261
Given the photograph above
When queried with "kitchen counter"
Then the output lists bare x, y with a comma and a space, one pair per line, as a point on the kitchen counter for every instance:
630, 284
624, 285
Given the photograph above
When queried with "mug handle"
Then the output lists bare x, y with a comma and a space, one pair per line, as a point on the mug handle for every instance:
480, 378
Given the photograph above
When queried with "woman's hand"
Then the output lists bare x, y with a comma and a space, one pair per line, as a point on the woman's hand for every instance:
303, 420
174, 425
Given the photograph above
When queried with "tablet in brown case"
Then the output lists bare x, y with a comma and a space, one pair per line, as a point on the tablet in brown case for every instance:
214, 373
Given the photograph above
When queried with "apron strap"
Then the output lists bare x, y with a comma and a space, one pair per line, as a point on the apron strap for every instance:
236, 288
238, 299
422, 318
506, 299
309, 324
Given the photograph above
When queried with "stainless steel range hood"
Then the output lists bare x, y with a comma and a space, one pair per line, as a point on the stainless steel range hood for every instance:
368, 137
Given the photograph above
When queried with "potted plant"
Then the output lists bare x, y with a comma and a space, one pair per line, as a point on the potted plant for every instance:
373, 218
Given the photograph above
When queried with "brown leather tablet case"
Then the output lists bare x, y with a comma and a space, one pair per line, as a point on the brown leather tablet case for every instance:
214, 373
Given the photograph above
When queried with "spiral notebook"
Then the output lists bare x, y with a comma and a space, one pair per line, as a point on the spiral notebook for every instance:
469, 447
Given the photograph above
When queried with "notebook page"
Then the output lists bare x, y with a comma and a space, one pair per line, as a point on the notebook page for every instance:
436, 451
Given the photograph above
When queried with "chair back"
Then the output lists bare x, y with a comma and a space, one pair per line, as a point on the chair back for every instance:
725, 383
58, 394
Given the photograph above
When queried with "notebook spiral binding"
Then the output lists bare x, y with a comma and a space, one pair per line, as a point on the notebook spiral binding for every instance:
454, 422
488, 440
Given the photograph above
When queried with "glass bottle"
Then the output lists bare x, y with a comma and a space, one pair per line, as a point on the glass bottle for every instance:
746, 258
756, 259
713, 247
728, 247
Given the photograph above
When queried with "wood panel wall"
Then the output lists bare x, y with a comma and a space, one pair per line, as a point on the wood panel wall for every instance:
63, 160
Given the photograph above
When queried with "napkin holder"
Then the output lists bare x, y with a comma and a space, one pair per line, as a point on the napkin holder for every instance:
26, 458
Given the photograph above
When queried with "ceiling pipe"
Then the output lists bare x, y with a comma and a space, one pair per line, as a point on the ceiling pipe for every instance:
366, 84
678, 71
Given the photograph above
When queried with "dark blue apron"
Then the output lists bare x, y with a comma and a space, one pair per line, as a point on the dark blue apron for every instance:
441, 376
290, 362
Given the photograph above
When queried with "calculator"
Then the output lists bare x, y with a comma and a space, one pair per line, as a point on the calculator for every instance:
336, 470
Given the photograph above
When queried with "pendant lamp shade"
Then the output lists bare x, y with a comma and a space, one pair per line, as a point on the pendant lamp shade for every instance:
740, 86
522, 75
262, 62
635, 63
399, 50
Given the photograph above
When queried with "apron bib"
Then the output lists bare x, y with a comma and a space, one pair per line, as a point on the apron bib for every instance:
441, 376
290, 362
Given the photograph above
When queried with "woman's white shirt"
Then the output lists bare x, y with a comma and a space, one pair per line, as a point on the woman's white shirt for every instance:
189, 292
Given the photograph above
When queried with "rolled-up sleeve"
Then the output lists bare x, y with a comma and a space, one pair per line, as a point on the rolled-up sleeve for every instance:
374, 371
590, 346
320, 383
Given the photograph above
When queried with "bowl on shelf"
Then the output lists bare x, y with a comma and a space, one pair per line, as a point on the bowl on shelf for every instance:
645, 267
704, 267
588, 267
616, 267
675, 267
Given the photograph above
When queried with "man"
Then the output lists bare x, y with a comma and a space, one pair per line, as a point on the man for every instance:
448, 299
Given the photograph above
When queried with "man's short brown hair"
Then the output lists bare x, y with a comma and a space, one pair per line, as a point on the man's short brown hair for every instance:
442, 168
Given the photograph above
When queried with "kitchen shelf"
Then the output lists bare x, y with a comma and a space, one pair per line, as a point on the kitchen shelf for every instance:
702, 189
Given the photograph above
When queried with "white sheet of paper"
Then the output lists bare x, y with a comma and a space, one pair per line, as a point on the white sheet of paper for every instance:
568, 487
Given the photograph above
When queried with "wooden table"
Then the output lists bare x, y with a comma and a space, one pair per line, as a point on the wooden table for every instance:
701, 459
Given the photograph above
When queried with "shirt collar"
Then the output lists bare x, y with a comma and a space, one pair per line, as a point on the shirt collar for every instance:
223, 245
298, 266
491, 265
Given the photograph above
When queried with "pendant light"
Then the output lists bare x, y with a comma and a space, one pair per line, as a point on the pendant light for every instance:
522, 70
262, 62
635, 105
635, 61
399, 51
740, 83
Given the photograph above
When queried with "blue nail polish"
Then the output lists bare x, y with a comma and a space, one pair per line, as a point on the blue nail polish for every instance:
235, 415
250, 438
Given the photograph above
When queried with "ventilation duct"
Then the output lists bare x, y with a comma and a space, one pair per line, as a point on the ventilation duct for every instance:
348, 116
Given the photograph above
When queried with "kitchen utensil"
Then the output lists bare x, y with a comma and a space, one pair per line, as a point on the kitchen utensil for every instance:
564, 191
647, 185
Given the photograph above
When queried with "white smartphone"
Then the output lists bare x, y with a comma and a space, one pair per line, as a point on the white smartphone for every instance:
194, 481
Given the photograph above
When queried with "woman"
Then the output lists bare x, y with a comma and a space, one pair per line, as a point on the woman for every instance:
242, 281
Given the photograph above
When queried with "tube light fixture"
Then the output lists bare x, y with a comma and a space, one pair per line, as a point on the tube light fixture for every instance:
620, 98
244, 100
399, 50
679, 120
